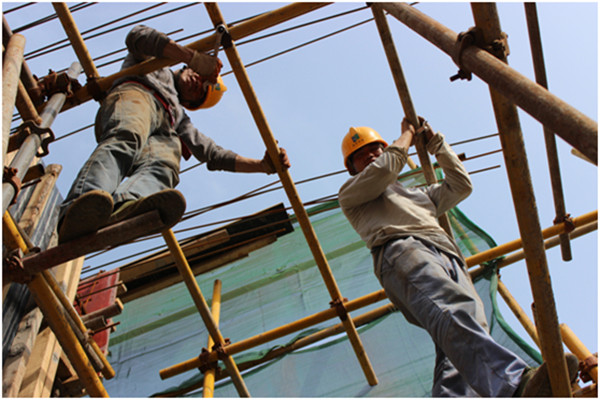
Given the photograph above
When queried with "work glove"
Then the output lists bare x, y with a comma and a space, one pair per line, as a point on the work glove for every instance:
206, 66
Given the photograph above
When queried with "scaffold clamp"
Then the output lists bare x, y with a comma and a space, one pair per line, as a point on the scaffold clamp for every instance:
10, 176
340, 308
586, 366
13, 268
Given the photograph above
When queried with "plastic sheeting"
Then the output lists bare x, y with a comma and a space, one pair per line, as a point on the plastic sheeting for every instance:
278, 285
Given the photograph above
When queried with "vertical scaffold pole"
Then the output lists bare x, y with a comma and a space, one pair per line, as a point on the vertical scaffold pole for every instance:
208, 387
290, 189
517, 167
551, 151
203, 309
407, 104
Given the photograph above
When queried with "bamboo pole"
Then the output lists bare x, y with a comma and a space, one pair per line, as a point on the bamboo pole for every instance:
407, 104
55, 317
202, 306
209, 376
511, 138
570, 124
517, 244
11, 70
106, 368
578, 348
518, 311
551, 150
548, 243
276, 333
290, 189
237, 32
68, 23
351, 305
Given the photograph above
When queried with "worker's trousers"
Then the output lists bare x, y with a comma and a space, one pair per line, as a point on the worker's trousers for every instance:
135, 140
435, 292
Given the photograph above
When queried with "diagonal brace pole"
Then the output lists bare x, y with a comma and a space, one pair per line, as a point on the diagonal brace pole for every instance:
290, 189
202, 306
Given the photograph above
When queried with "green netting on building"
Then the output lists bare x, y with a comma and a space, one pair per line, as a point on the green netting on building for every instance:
275, 286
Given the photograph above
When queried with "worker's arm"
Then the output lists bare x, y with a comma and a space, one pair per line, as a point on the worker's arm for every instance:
144, 42
245, 164
456, 185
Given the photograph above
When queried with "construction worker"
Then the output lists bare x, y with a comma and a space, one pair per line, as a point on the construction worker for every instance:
422, 269
142, 130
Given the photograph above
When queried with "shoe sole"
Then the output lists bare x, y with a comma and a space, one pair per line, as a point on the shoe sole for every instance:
170, 204
86, 215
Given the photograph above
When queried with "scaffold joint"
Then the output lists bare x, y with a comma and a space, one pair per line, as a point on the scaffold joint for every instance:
340, 308
205, 364
567, 220
223, 37
474, 36
220, 349
13, 268
586, 366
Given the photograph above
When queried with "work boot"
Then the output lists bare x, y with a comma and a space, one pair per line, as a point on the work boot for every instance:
86, 215
536, 382
169, 203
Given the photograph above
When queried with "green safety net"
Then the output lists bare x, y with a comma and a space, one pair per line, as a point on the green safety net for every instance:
275, 286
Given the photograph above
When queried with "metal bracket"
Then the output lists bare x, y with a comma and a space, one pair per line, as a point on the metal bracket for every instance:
474, 36
10, 176
223, 38
568, 221
46, 135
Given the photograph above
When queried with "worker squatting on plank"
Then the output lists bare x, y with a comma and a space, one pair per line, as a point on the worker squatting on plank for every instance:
422, 269
142, 131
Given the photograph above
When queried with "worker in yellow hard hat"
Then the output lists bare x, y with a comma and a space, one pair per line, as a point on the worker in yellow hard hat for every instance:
421, 267
142, 131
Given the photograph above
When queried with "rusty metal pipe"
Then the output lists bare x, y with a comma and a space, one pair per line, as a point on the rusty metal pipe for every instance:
407, 104
29, 148
535, 40
574, 127
11, 69
511, 138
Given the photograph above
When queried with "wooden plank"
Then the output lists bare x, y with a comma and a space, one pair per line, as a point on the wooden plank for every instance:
42, 366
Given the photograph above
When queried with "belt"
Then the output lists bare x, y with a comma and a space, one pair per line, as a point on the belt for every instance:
185, 151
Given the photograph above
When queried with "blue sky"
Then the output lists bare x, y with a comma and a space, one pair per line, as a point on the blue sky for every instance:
312, 95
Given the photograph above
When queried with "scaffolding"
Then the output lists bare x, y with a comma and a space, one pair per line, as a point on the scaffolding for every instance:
482, 51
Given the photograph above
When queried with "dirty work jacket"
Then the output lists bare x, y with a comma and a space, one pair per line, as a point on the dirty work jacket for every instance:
143, 43
380, 209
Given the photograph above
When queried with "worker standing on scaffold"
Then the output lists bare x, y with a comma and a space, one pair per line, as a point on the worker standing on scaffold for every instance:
142, 130
422, 269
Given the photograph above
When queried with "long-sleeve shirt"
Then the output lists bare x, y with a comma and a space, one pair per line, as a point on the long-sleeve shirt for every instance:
143, 43
381, 209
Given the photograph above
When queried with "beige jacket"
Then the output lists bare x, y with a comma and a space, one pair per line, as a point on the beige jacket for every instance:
381, 209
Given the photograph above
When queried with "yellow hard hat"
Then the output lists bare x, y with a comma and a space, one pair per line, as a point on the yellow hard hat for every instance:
213, 95
356, 138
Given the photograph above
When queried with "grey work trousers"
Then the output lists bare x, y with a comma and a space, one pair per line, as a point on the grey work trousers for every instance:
435, 292
135, 140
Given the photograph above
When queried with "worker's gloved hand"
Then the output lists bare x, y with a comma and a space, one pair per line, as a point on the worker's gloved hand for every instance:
269, 168
206, 66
